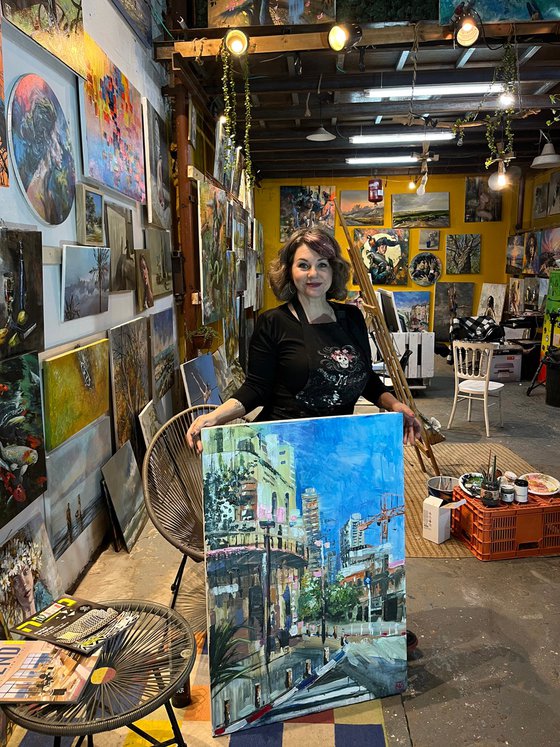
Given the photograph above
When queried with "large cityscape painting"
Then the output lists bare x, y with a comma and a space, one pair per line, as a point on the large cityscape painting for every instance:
304, 534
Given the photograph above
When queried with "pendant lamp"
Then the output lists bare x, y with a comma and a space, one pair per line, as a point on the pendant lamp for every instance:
547, 159
320, 135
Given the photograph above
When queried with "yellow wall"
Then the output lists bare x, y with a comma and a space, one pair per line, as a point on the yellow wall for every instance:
493, 235
533, 178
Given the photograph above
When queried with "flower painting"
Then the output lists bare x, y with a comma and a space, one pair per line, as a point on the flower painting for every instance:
85, 281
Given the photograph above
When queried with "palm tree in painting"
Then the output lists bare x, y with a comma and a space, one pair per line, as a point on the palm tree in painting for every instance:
100, 270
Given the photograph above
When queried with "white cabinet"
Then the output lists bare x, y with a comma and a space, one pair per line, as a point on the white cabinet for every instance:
419, 348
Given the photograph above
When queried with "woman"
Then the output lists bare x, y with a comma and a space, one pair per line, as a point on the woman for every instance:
531, 259
308, 357
22, 593
147, 299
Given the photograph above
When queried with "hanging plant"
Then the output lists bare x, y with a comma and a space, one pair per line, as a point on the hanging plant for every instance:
554, 99
507, 74
246, 141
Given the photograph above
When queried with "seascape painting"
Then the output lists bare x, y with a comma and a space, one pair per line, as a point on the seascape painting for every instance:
414, 307
76, 390
85, 281
4, 168
199, 379
550, 251
158, 202
462, 254
428, 240
425, 269
23, 476
304, 207
130, 380
21, 299
41, 149
124, 486
358, 211
452, 300
75, 497
491, 11
58, 27
158, 245
515, 253
150, 422
430, 210
111, 116
163, 351
268, 13
481, 203
137, 13
212, 213
305, 569
90, 218
385, 254
120, 239
492, 300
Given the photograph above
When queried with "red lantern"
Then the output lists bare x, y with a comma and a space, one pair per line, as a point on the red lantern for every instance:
375, 190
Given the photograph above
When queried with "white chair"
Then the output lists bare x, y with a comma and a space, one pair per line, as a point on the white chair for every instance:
472, 362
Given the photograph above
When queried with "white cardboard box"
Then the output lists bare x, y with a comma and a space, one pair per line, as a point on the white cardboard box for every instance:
506, 364
436, 519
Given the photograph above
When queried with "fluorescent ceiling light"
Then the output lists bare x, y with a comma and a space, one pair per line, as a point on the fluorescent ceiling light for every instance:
402, 137
439, 89
381, 160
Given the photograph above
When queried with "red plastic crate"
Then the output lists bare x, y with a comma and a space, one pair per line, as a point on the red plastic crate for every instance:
509, 531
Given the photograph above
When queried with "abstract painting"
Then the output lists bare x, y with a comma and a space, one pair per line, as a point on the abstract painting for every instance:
304, 207
550, 251
157, 167
41, 149
305, 569
462, 253
23, 475
28, 571
414, 307
425, 269
515, 253
138, 15
76, 390
358, 211
267, 13
111, 117
481, 203
452, 300
124, 486
4, 169
90, 218
532, 252
21, 299
428, 241
57, 27
158, 244
430, 210
553, 192
144, 292
150, 422
120, 238
85, 281
492, 300
490, 11
130, 379
163, 351
199, 379
212, 207
74, 497
540, 200
385, 254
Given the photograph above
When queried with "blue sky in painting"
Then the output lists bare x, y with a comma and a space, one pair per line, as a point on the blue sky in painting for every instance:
407, 299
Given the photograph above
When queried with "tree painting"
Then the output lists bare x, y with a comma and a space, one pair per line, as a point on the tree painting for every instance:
85, 281
463, 254
100, 270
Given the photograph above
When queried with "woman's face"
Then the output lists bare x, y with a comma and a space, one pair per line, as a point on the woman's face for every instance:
311, 274
144, 271
23, 587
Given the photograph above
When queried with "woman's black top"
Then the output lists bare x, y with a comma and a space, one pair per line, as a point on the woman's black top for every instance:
299, 370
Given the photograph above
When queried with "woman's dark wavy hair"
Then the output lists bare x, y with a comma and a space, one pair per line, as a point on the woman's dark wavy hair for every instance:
318, 240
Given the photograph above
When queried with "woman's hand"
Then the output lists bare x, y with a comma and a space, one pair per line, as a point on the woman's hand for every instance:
194, 439
411, 426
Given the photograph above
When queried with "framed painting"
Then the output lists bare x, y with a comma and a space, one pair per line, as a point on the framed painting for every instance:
452, 300
23, 476
163, 352
212, 213
85, 281
158, 245
316, 629
385, 254
138, 15
158, 203
150, 422
531, 253
90, 216
124, 486
358, 211
481, 203
200, 382
242, 13
111, 119
4, 167
492, 300
230, 325
530, 294
553, 194
120, 239
462, 253
76, 390
428, 240
144, 291
414, 308
540, 200
491, 11
430, 210
42, 154
21, 300
515, 296
305, 207
425, 269
515, 253
550, 251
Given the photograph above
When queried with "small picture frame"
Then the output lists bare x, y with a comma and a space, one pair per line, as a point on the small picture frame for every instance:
90, 216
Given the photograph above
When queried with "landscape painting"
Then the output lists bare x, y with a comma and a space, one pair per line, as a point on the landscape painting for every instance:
4, 168
150, 422
158, 244
212, 213
430, 210
21, 300
550, 251
452, 300
515, 253
23, 475
199, 379
111, 117
85, 281
358, 211
268, 12
163, 351
157, 167
462, 253
317, 617
385, 254
428, 241
76, 390
90, 219
414, 307
120, 238
481, 203
490, 11
492, 300
304, 207
42, 153
124, 486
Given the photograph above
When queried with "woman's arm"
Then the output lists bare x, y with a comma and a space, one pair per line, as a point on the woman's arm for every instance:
224, 413
412, 429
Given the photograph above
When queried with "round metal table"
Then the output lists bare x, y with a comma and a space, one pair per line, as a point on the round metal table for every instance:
138, 671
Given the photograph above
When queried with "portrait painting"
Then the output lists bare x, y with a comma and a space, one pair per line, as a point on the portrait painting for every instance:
76, 390
553, 193
150, 422
158, 244
57, 27
41, 149
29, 579
532, 252
550, 252
304, 207
491, 11
124, 487
4, 166
158, 203
430, 210
144, 290
425, 269
23, 476
481, 203
85, 281
130, 381
21, 299
492, 300
212, 213
111, 118
163, 351
120, 239
414, 308
268, 13
428, 240
384, 253
138, 15
90, 218
325, 625
540, 200
462, 253
200, 382
452, 300
515, 253
358, 211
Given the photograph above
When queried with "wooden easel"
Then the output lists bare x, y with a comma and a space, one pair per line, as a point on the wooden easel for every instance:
377, 324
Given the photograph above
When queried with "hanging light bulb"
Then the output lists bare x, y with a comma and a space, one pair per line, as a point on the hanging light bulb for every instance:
422, 186
237, 42
467, 31
498, 180
411, 184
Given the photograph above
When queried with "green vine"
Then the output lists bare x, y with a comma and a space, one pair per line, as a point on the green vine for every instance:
554, 99
506, 73
246, 143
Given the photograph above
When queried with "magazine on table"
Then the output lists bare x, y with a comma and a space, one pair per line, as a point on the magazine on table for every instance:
38, 672
76, 624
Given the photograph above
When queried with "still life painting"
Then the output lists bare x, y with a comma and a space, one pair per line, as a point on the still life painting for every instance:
385, 254
462, 253
428, 240
305, 569
430, 210
358, 211
85, 281
304, 207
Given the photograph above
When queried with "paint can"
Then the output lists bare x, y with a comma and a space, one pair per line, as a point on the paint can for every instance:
490, 492
521, 491
507, 493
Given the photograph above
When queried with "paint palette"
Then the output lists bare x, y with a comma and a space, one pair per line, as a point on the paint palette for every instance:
470, 483
540, 484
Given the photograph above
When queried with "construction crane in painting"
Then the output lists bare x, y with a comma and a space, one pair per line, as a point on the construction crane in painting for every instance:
387, 512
